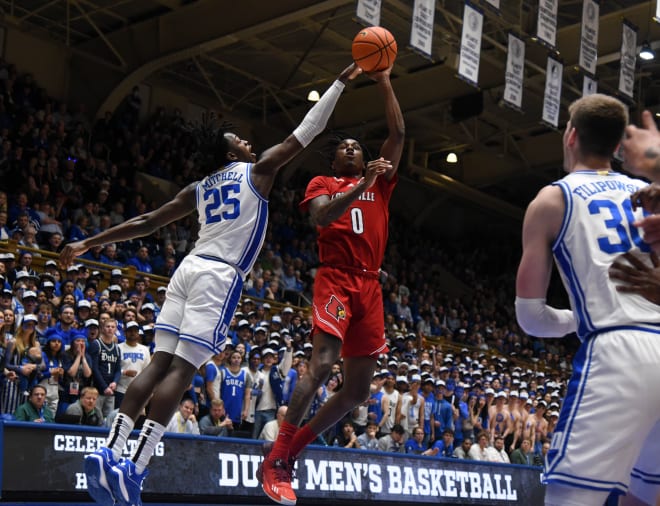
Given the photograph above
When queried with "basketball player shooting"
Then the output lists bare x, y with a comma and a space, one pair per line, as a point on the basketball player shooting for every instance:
350, 211
203, 293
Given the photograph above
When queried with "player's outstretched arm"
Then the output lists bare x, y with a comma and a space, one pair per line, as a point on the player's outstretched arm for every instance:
264, 171
181, 205
393, 146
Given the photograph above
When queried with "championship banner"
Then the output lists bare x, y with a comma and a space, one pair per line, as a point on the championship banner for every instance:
589, 86
421, 33
46, 461
495, 4
546, 26
552, 95
468, 63
368, 12
656, 18
628, 59
515, 67
589, 36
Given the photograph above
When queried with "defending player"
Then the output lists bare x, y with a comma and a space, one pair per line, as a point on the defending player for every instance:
203, 293
351, 213
585, 221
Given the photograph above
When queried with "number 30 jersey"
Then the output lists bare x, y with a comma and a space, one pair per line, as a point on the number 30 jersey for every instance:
359, 236
232, 216
597, 228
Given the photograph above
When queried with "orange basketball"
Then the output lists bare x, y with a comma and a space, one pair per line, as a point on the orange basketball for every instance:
374, 49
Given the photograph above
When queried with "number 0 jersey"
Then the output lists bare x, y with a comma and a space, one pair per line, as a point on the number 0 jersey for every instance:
358, 238
597, 228
232, 217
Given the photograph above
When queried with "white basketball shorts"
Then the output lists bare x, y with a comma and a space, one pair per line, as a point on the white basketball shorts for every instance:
201, 300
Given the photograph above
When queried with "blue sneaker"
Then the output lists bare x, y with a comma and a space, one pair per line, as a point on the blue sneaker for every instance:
126, 483
97, 468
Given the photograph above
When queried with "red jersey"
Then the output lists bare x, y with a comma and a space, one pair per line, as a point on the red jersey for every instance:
358, 238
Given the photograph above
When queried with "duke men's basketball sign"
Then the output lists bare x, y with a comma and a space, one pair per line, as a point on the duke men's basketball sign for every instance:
44, 461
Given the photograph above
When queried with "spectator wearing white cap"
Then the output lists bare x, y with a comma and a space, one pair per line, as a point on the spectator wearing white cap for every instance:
412, 406
273, 377
134, 358
499, 417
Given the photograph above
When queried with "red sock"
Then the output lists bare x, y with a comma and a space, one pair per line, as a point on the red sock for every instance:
302, 438
283, 442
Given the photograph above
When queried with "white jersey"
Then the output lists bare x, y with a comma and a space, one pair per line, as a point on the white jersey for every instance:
133, 358
597, 228
232, 217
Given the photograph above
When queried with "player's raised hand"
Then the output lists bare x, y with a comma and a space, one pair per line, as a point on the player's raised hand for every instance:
381, 74
641, 148
375, 168
350, 73
71, 251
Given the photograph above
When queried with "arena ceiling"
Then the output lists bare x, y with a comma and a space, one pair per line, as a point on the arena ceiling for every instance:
259, 59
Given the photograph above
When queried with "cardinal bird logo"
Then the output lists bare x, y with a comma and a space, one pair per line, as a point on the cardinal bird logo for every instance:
335, 309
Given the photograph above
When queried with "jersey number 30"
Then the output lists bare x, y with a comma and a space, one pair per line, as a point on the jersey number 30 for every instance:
620, 221
215, 198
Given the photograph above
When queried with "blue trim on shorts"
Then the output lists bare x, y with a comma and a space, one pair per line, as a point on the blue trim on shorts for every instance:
586, 483
652, 328
203, 343
576, 386
167, 328
228, 310
653, 479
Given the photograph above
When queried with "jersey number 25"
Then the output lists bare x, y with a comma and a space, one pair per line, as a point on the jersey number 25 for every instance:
215, 199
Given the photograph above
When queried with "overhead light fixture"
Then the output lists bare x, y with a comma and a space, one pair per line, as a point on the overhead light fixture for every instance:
313, 96
452, 157
646, 53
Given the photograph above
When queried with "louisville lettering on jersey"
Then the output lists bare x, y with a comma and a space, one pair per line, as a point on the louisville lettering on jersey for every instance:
368, 196
335, 309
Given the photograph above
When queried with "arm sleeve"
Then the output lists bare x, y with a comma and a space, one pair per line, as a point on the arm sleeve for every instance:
540, 320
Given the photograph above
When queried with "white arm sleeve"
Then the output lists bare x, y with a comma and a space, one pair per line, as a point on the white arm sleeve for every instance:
315, 120
540, 320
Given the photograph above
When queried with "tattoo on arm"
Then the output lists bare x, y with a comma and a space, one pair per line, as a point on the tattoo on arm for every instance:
654, 154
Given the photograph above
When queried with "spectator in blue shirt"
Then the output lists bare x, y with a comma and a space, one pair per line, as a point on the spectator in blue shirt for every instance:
444, 447
141, 260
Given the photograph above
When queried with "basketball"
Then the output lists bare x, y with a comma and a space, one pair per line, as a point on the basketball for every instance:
374, 49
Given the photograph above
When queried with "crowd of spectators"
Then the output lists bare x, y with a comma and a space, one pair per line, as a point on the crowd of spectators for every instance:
71, 341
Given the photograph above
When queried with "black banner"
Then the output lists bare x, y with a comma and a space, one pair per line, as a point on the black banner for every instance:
42, 461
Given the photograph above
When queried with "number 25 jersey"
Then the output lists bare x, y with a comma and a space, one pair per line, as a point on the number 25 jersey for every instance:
359, 236
597, 228
232, 216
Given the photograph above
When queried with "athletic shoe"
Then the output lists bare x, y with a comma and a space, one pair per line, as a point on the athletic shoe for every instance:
97, 468
276, 476
126, 483
265, 451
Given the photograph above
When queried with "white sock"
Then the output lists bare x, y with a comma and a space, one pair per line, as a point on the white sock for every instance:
119, 432
151, 434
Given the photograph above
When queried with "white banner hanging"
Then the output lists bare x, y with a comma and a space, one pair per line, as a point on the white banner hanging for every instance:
589, 36
515, 67
495, 4
468, 63
628, 59
552, 95
657, 12
368, 12
546, 26
589, 86
421, 33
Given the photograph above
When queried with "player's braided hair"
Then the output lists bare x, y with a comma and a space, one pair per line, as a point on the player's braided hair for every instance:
210, 146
